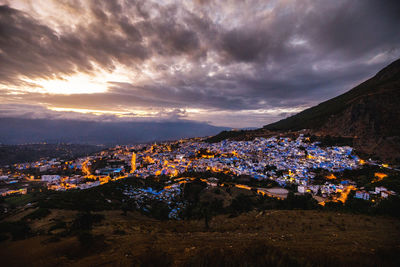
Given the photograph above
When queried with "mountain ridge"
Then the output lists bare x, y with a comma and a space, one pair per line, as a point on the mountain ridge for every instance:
22, 131
390, 75
369, 113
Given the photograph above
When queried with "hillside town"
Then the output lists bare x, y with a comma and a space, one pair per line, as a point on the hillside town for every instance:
288, 162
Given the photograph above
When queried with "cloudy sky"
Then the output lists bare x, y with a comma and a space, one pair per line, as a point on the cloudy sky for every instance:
231, 63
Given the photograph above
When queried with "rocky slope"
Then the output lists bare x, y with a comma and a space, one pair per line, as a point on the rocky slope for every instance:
370, 113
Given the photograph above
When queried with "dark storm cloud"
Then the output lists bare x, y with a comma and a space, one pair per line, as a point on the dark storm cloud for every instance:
226, 55
35, 50
355, 27
37, 112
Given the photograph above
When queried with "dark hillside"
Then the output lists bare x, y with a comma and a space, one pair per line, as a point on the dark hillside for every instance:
384, 87
369, 113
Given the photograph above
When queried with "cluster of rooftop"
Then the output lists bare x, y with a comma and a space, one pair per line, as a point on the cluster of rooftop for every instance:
287, 161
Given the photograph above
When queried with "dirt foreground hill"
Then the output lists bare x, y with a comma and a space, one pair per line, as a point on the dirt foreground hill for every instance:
269, 238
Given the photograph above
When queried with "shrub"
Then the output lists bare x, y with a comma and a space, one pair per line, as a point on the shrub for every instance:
38, 214
85, 238
18, 230
85, 220
159, 210
389, 206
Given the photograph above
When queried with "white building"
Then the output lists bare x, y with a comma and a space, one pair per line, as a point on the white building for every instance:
362, 195
89, 185
385, 194
44, 168
301, 189
50, 178
380, 189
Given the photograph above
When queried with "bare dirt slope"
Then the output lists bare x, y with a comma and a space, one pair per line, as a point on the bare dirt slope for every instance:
275, 238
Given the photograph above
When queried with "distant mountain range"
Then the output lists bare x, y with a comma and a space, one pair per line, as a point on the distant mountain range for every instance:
368, 113
22, 131
10, 154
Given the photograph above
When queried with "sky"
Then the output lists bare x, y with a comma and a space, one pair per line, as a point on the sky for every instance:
234, 63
